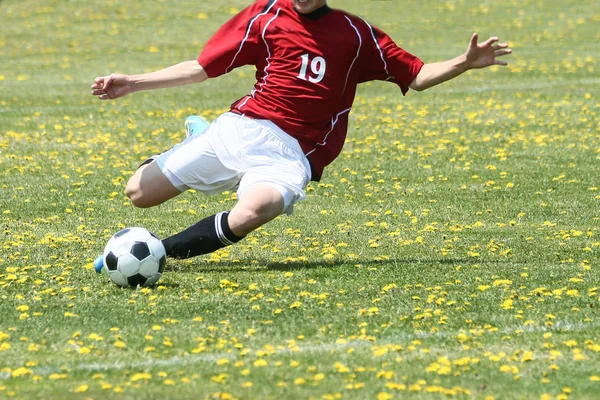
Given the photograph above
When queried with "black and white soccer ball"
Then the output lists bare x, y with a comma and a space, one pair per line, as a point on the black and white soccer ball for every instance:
134, 257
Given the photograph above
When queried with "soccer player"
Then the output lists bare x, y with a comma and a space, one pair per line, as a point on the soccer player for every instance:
309, 59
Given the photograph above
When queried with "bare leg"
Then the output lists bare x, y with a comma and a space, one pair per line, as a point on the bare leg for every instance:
149, 187
258, 205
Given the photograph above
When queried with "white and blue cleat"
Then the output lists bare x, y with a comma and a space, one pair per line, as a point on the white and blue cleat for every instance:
99, 264
195, 125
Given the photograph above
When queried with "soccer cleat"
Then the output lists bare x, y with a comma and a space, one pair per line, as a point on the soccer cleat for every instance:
195, 125
99, 264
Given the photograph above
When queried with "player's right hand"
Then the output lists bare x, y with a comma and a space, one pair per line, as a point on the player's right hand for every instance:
112, 86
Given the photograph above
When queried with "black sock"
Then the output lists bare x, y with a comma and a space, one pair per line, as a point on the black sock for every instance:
206, 236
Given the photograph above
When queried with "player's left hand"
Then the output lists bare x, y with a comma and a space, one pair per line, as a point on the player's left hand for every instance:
485, 54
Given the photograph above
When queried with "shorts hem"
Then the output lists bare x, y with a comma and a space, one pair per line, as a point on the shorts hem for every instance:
290, 196
171, 177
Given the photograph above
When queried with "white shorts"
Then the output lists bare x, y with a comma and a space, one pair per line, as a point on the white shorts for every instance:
238, 152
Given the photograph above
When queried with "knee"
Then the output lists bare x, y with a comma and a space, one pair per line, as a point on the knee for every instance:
244, 220
248, 216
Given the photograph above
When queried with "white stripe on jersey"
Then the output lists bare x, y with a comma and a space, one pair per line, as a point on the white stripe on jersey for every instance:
333, 122
248, 34
378, 48
335, 119
266, 74
268, 50
248, 97
357, 52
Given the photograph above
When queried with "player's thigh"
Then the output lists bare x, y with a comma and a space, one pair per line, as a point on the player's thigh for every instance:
195, 164
149, 187
257, 205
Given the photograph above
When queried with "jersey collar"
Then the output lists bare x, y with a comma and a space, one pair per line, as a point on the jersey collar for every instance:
318, 13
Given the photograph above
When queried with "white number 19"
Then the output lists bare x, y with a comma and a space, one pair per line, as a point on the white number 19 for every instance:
317, 68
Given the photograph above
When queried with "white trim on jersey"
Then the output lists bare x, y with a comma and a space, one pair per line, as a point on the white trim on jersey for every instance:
248, 34
333, 122
336, 118
264, 79
357, 52
266, 73
248, 97
378, 48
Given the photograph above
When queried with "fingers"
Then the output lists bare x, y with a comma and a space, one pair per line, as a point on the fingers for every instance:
98, 88
487, 43
501, 49
98, 82
101, 95
101, 85
499, 53
108, 80
98, 92
474, 39
102, 82
490, 41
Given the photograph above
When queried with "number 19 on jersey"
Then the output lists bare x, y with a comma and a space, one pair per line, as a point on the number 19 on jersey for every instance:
317, 69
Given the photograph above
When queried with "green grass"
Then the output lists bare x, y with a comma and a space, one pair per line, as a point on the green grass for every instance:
451, 250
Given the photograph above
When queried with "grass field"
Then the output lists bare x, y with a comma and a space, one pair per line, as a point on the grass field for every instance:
452, 251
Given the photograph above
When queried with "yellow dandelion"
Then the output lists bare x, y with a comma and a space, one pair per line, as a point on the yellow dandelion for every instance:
319, 377
22, 371
527, 356
81, 388
141, 376
260, 363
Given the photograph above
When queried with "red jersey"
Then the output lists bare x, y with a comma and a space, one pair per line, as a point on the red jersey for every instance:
307, 69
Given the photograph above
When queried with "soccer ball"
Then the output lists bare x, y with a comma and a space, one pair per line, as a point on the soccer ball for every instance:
134, 257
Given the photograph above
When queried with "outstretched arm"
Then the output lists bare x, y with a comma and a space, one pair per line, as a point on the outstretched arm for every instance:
477, 56
114, 86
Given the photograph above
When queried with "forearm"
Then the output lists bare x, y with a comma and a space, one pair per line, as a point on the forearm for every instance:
435, 73
184, 73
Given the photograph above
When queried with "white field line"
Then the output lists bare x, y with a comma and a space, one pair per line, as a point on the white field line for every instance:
558, 326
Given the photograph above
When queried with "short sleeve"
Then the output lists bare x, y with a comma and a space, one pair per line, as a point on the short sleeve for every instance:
236, 43
383, 60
